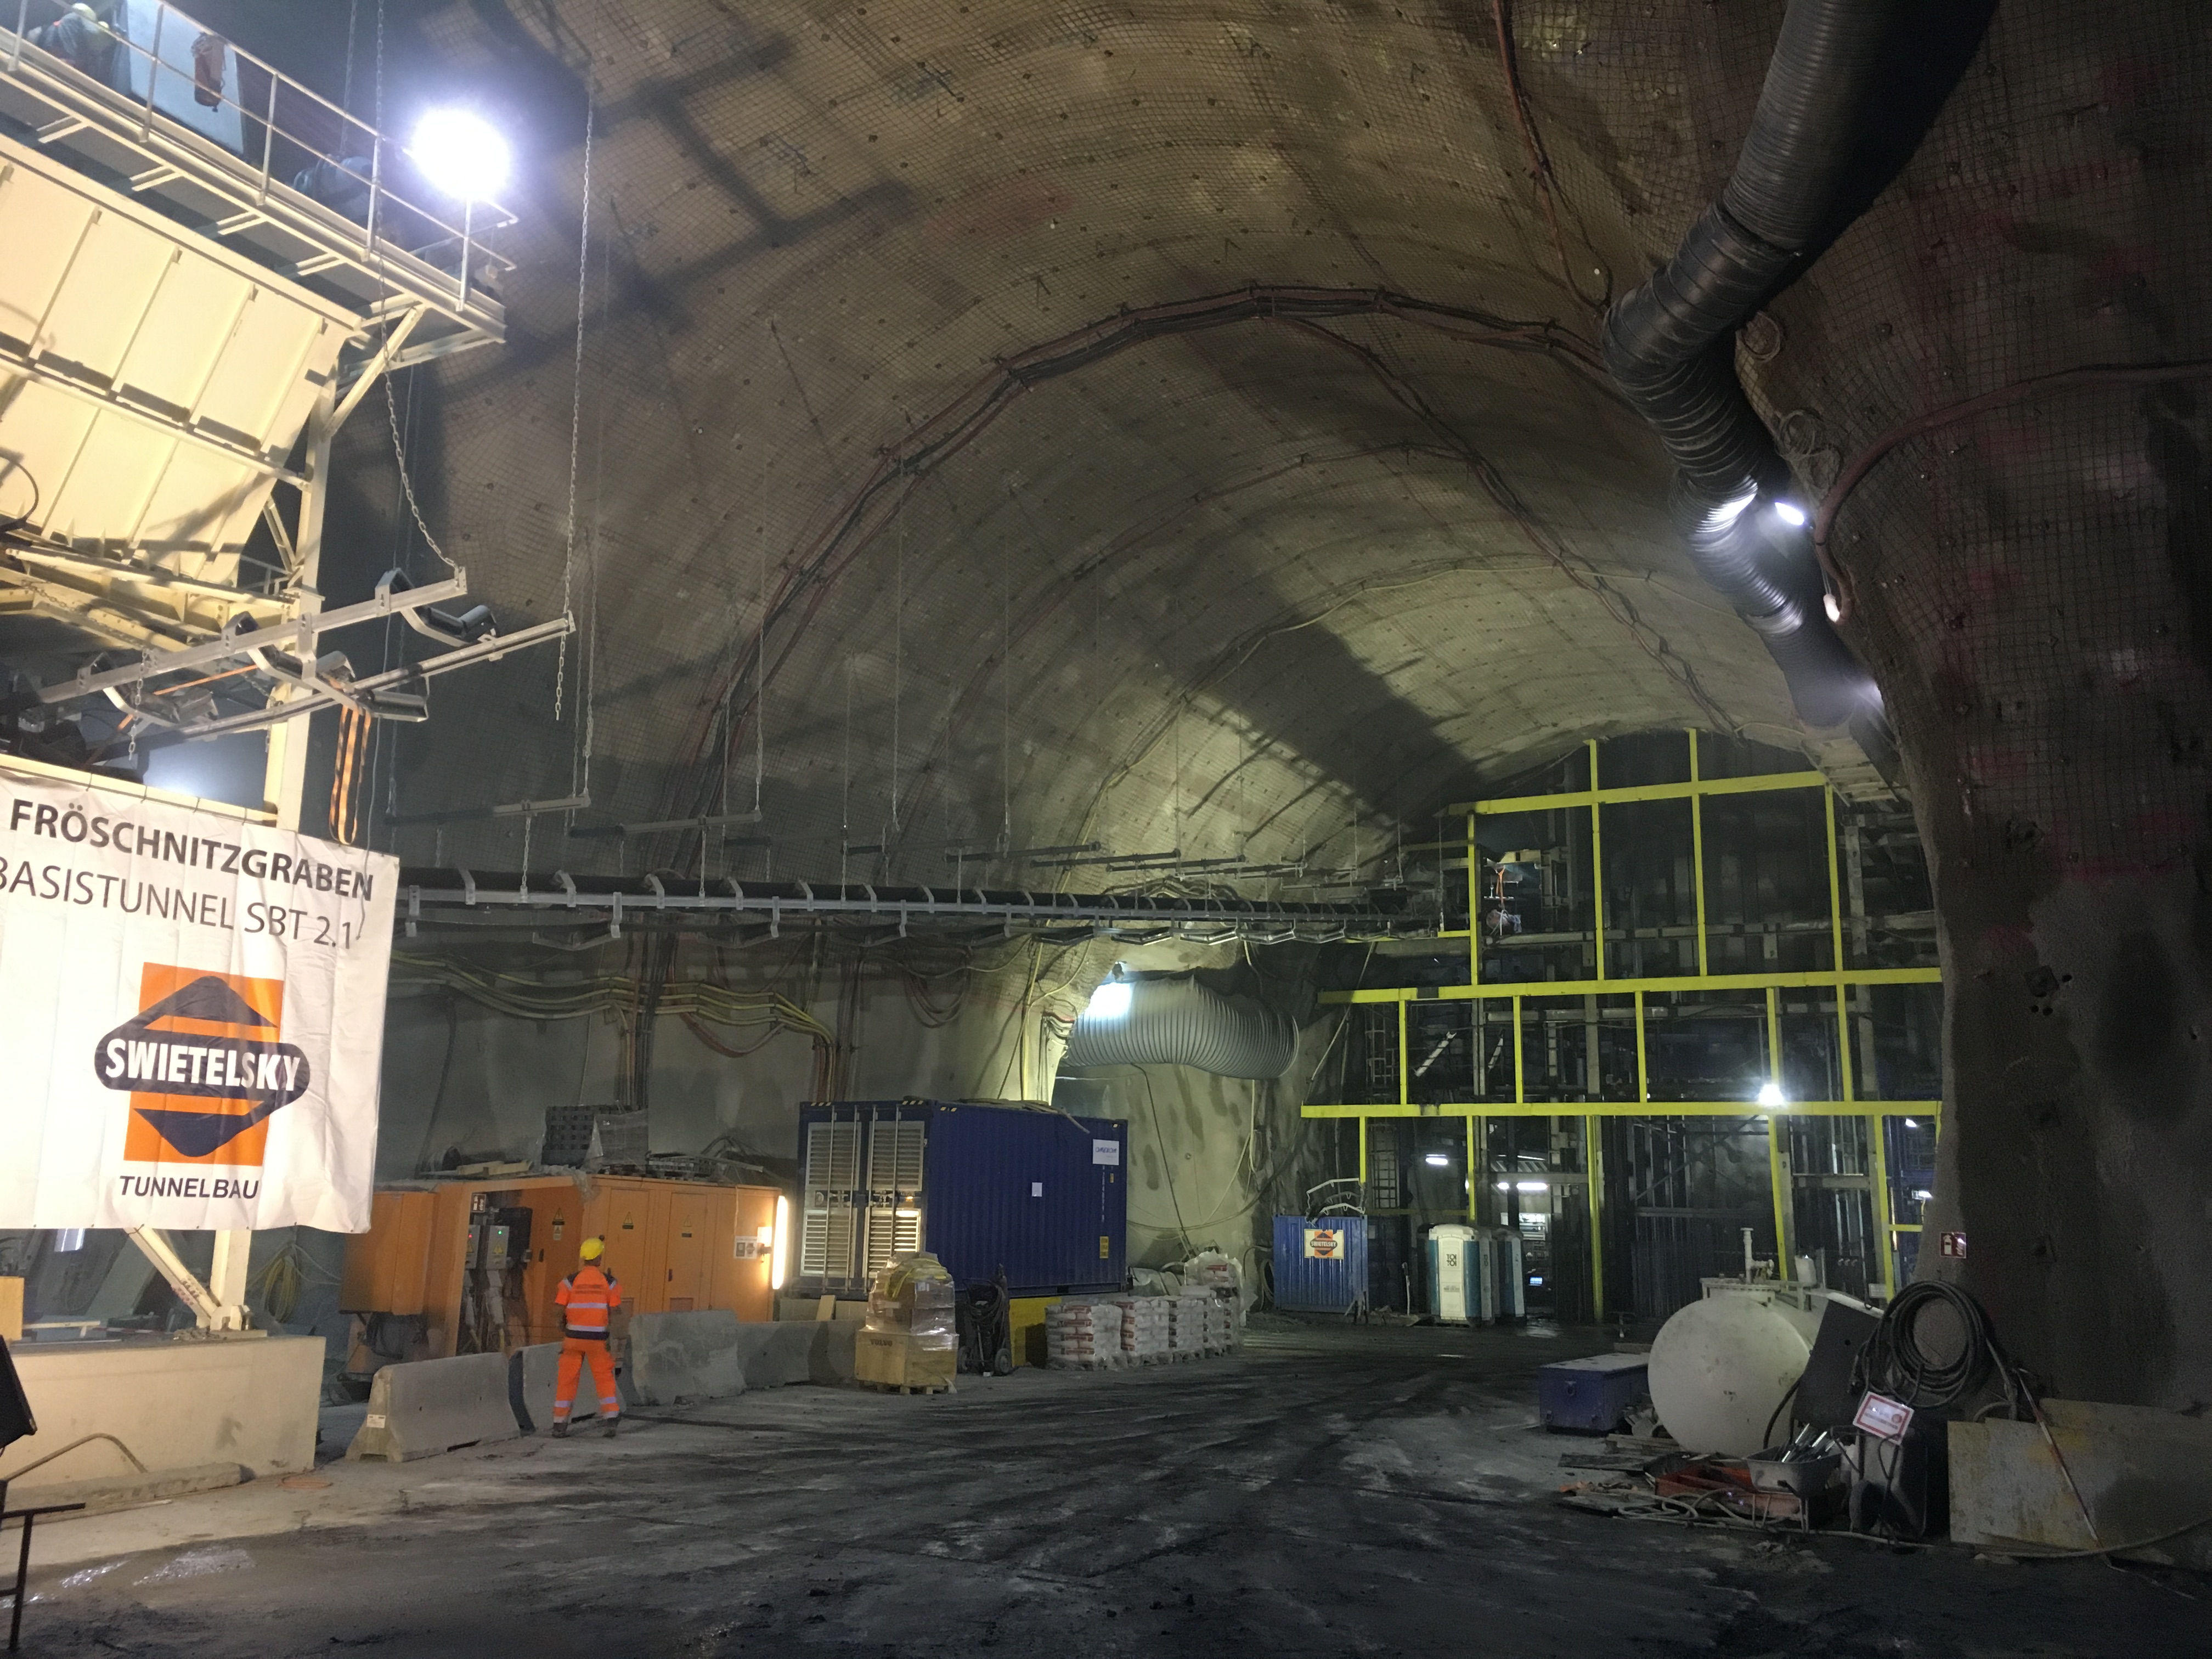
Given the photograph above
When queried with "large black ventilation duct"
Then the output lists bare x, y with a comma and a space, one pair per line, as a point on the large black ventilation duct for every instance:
1671, 344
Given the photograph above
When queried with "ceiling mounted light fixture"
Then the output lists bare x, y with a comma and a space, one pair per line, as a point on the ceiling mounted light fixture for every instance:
461, 154
1111, 999
1790, 513
1769, 1094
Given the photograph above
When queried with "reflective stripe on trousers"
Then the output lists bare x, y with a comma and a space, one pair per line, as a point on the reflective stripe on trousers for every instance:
576, 1354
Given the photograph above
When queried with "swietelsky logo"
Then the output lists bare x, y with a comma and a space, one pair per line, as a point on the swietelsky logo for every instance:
202, 1065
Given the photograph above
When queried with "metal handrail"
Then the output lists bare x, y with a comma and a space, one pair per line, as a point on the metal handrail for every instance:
273, 126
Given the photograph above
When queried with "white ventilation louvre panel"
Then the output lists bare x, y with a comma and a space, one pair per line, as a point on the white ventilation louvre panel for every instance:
895, 1167
827, 1220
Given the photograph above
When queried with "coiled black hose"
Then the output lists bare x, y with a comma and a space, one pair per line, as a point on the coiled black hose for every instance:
1896, 1362
1670, 345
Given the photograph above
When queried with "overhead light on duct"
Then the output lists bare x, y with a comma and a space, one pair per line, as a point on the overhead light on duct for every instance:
1769, 1094
461, 153
1111, 999
1440, 1160
1790, 513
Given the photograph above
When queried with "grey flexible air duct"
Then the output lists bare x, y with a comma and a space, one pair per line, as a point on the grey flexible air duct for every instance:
1671, 345
1179, 1022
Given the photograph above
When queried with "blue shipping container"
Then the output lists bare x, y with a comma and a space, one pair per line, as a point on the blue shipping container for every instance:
1320, 1265
1036, 1192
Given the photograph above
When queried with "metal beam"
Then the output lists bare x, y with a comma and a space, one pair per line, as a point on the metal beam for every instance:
464, 890
1744, 1109
300, 637
1752, 785
1685, 983
208, 1309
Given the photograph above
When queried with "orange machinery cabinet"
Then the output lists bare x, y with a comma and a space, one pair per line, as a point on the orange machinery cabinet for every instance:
673, 1246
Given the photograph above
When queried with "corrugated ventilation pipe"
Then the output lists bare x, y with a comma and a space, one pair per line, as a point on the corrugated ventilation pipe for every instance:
1671, 345
1179, 1022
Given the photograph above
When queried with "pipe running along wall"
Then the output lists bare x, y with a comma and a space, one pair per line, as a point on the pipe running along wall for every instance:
1180, 1022
1671, 345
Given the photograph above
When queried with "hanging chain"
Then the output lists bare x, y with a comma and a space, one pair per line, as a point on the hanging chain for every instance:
575, 409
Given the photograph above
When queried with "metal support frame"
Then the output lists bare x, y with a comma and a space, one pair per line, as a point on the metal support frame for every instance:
218, 1307
1840, 978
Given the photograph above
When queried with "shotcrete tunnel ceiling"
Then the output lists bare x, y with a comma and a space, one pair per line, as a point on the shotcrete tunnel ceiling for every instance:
1108, 423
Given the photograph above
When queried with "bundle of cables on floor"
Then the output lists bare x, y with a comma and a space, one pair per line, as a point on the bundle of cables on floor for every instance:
1931, 1369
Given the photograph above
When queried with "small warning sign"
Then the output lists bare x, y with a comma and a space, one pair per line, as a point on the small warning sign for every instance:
1952, 1244
1324, 1244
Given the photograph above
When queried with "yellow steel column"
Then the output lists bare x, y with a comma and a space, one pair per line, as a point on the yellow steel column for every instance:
1404, 1083
1597, 871
1877, 1164
1697, 851
1476, 1174
1474, 905
1593, 1174
1362, 1160
1778, 1166
1520, 1078
1835, 938
1643, 1062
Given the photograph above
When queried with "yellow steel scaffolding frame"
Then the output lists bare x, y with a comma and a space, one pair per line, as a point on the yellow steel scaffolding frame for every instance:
1837, 978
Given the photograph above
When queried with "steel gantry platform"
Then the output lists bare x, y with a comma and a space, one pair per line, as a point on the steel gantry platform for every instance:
1501, 995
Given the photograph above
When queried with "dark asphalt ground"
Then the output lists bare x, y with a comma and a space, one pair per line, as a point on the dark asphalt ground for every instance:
1330, 1492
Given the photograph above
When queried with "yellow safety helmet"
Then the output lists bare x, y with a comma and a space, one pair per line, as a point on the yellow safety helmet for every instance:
592, 1248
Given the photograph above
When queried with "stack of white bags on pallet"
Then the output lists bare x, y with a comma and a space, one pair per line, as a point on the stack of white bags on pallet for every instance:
1146, 1328
1203, 1322
1083, 1335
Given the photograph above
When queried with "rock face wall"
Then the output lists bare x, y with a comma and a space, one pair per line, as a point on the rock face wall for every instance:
2028, 583
1278, 588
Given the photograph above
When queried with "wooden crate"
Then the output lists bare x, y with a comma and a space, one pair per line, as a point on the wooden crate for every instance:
890, 1360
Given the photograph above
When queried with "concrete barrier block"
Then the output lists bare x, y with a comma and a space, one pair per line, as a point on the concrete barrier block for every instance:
422, 1408
176, 1404
773, 1354
532, 1375
685, 1356
123, 1491
830, 1357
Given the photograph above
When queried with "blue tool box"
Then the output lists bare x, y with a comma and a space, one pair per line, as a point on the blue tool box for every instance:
1593, 1395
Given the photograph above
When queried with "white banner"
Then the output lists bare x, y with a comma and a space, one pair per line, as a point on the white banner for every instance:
191, 1013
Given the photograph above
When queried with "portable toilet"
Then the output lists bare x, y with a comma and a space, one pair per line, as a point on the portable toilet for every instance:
1455, 1283
1503, 1278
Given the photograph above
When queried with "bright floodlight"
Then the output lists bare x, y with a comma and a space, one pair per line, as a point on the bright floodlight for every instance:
1790, 513
1769, 1094
461, 153
1440, 1159
1109, 1002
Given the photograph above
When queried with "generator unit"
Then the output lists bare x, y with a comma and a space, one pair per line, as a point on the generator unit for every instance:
1026, 1189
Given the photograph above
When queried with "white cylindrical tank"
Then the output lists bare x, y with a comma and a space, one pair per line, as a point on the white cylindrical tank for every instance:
1719, 1368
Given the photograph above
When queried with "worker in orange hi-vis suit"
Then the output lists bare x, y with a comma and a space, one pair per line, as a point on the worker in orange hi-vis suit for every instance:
587, 1299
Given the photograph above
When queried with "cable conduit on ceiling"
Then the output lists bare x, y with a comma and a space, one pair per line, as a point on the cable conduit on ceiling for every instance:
1179, 1022
1671, 346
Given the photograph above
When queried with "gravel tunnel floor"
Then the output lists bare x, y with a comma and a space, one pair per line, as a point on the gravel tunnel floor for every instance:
1331, 1492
